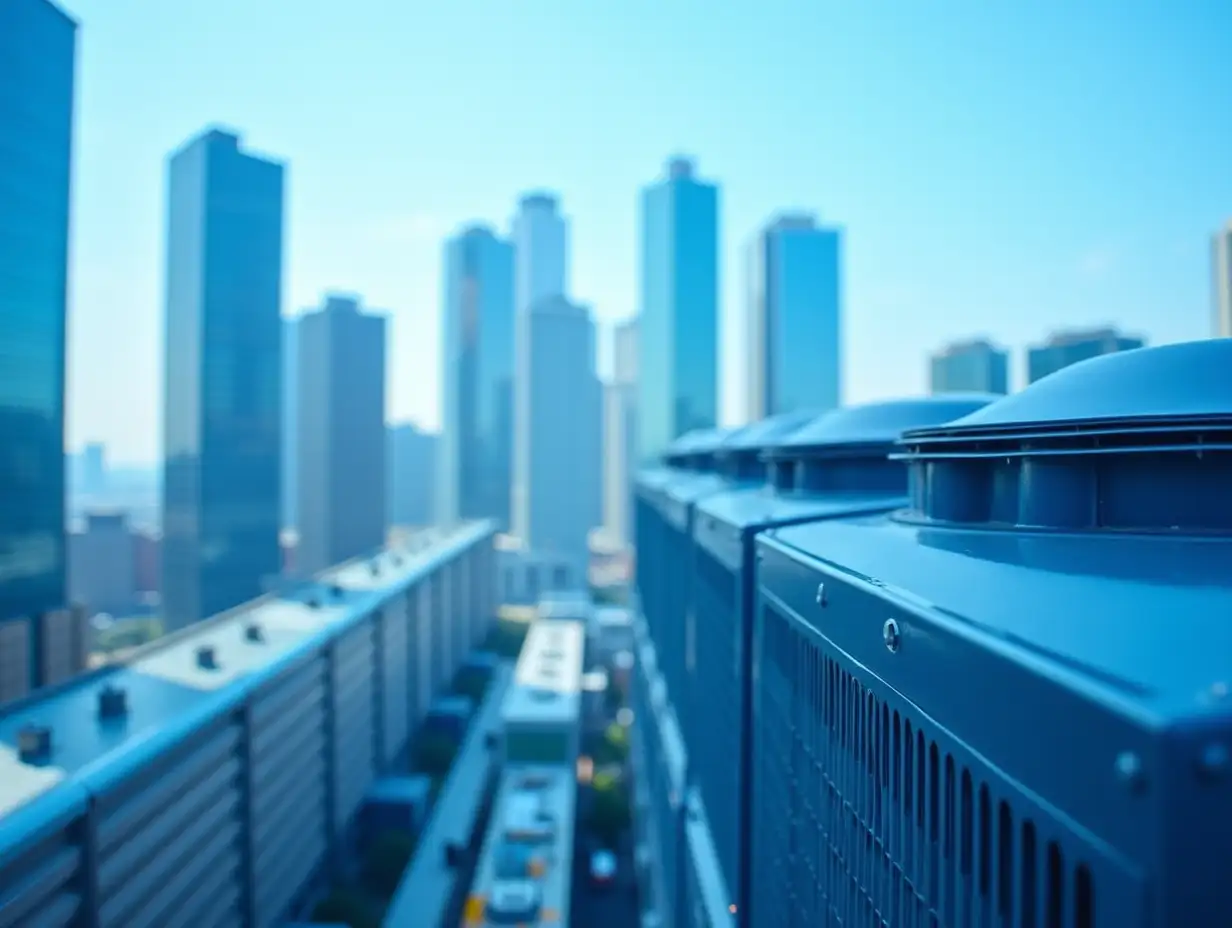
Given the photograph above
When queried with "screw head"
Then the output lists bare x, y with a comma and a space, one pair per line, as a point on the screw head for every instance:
821, 594
891, 635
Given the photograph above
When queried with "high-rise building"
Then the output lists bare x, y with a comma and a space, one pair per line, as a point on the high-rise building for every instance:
541, 245
620, 435
411, 454
222, 429
678, 364
795, 318
477, 334
558, 470
37, 72
94, 468
1065, 348
1221, 249
341, 434
290, 422
976, 366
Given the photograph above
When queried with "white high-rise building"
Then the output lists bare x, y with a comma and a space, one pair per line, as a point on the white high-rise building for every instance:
1222, 266
557, 467
620, 435
541, 243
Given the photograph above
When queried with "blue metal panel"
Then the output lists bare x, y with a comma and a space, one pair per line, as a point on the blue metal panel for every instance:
287, 751
395, 680
1064, 556
850, 447
354, 712
168, 840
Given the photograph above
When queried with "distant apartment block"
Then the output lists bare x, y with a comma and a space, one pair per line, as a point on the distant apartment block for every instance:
477, 360
341, 434
795, 318
678, 338
557, 470
975, 366
147, 560
37, 75
1221, 255
411, 474
222, 433
1065, 348
103, 564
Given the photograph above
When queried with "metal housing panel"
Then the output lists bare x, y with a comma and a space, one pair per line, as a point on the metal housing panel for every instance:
354, 718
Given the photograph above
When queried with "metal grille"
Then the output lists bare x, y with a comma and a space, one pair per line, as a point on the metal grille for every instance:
863, 816
287, 751
354, 760
650, 526
44, 884
716, 745
169, 839
673, 651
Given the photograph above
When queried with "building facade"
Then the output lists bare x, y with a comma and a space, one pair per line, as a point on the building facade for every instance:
37, 73
1221, 265
341, 434
976, 366
411, 474
541, 245
1062, 349
620, 435
477, 332
558, 469
103, 566
290, 421
679, 326
795, 318
222, 431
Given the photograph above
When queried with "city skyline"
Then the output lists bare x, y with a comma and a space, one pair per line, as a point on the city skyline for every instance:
1029, 243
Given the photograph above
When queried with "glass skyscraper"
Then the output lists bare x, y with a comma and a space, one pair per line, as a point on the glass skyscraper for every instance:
223, 403
477, 332
679, 327
975, 366
1065, 348
1221, 272
37, 62
795, 318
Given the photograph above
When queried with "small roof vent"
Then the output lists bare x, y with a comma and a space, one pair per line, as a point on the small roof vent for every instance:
374, 567
112, 702
848, 450
696, 450
34, 743
312, 602
336, 592
254, 633
207, 657
741, 455
1134, 441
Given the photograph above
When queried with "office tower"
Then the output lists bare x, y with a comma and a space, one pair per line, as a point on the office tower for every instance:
94, 467
290, 422
411, 470
620, 435
1221, 249
976, 366
341, 434
679, 328
103, 566
558, 470
541, 245
1065, 348
476, 446
222, 426
37, 69
795, 318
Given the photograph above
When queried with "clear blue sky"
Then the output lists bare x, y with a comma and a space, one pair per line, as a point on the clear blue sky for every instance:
998, 171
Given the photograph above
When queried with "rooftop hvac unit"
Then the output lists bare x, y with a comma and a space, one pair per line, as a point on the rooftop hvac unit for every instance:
838, 462
1008, 702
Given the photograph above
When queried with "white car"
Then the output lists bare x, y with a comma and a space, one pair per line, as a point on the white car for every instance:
602, 867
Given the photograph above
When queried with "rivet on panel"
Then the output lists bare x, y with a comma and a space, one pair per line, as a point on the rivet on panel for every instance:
1129, 770
892, 636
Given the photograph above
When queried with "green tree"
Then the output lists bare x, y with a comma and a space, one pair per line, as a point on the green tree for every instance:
610, 815
386, 860
345, 906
